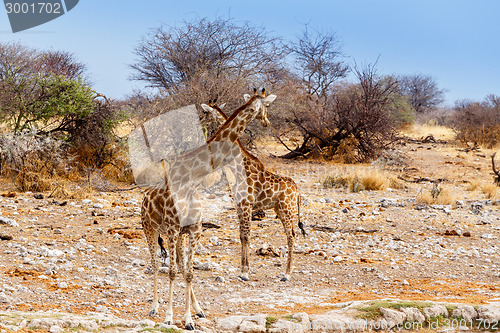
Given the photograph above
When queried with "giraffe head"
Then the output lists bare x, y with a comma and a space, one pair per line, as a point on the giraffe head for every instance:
213, 112
259, 104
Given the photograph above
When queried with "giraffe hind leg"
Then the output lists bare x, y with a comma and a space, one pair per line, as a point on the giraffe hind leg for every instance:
151, 236
286, 218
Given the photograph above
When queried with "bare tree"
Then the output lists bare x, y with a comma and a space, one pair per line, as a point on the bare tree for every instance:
422, 91
63, 63
317, 56
207, 59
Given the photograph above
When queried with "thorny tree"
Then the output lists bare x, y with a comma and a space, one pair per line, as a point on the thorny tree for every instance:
206, 59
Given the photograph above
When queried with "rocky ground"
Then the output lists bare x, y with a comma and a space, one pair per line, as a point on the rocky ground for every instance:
87, 258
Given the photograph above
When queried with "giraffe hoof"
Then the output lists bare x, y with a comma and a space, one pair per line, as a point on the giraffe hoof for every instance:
285, 279
200, 315
190, 327
243, 277
153, 313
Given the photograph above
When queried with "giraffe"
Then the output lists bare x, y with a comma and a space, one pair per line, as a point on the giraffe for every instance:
160, 215
266, 190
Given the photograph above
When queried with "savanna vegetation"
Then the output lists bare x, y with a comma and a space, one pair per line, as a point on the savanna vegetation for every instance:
54, 125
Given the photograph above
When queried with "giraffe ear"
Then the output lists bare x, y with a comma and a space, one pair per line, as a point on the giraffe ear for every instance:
269, 99
206, 108
247, 97
222, 106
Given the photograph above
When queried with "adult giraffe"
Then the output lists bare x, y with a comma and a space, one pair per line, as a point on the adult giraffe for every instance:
266, 190
160, 212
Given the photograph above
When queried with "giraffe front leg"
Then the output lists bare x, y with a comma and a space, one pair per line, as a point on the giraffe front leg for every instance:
245, 215
188, 275
169, 316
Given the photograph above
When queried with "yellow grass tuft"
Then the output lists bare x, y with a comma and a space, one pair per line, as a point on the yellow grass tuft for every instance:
371, 180
418, 131
474, 185
489, 190
437, 196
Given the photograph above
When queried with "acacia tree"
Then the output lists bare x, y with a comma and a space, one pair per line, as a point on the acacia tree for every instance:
42, 89
205, 59
422, 91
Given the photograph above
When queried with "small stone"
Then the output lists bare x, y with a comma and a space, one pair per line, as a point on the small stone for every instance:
406, 283
9, 222
38, 196
55, 329
98, 205
220, 279
62, 285
4, 299
101, 308
338, 259
86, 202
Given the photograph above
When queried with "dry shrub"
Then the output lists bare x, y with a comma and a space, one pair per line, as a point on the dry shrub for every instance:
478, 122
436, 196
33, 162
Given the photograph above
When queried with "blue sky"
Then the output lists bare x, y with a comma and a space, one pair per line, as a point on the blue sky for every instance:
457, 42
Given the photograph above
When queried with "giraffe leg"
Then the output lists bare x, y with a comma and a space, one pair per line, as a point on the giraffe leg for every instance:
169, 317
286, 218
151, 237
194, 239
245, 215
193, 242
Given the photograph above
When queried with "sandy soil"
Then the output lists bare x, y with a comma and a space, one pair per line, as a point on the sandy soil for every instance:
82, 256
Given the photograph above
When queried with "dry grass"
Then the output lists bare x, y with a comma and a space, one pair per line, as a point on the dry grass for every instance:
489, 190
418, 131
436, 196
370, 180
474, 185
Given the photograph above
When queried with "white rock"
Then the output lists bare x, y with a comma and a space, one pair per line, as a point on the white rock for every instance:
466, 311
86, 202
413, 315
338, 259
55, 329
393, 317
101, 308
253, 324
4, 298
231, 323
435, 310
62, 285
98, 205
488, 313
9, 222
301, 317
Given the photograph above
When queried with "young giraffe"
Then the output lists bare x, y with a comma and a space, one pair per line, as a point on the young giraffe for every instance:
266, 190
159, 215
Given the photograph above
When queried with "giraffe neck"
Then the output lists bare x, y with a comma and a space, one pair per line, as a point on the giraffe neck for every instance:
220, 119
236, 123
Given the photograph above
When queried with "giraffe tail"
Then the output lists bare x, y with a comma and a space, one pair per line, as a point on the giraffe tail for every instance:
301, 225
163, 251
